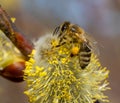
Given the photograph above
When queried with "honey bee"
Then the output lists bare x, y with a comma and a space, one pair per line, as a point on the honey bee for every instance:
72, 33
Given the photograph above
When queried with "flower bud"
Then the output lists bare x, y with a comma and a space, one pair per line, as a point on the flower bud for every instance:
14, 72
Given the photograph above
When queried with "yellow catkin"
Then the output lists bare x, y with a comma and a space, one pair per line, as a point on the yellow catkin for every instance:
58, 78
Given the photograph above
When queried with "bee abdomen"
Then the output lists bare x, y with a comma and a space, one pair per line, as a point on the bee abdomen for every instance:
84, 60
84, 56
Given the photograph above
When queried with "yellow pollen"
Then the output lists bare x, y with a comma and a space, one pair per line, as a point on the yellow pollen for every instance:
54, 43
75, 50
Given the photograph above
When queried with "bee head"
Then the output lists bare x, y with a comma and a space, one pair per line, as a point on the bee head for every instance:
65, 26
69, 32
61, 29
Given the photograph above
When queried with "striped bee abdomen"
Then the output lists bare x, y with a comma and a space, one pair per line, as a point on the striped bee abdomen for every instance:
84, 55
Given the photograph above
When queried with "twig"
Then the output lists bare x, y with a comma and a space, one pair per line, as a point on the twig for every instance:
10, 30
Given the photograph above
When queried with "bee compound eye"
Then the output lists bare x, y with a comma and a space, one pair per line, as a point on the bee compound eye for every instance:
64, 27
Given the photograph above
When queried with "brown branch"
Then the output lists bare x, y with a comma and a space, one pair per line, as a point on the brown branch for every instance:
11, 31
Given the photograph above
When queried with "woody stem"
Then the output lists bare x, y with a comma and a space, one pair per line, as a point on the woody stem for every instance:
16, 37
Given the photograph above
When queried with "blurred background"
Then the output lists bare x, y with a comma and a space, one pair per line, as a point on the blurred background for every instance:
100, 18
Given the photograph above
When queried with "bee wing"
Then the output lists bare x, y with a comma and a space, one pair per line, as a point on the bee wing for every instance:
93, 44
